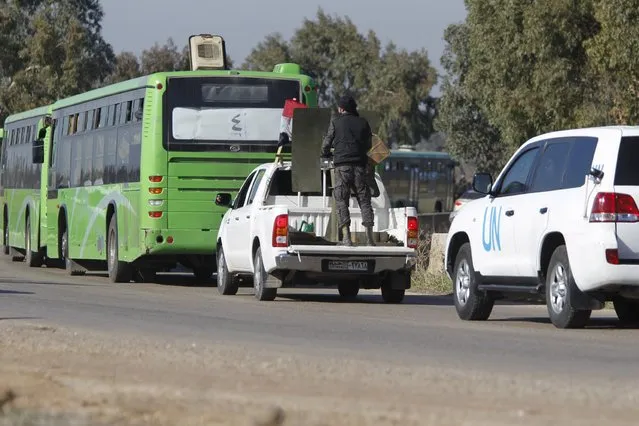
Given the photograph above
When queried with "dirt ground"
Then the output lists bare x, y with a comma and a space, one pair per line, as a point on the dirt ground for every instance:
77, 377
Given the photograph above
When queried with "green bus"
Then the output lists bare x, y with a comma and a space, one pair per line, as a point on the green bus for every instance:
130, 171
20, 185
421, 179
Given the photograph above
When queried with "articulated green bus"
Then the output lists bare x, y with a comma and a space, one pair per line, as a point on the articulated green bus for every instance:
130, 171
20, 184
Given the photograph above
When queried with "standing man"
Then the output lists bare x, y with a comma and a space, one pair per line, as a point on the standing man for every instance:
351, 137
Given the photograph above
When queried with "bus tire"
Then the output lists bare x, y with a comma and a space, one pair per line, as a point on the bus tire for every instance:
32, 259
5, 230
119, 272
69, 265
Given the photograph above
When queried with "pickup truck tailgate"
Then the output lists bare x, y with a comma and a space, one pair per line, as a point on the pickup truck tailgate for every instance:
355, 251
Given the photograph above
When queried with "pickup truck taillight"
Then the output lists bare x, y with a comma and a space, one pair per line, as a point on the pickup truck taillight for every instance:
412, 232
614, 207
280, 231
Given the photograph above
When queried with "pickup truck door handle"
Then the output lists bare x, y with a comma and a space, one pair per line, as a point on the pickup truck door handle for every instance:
543, 210
510, 212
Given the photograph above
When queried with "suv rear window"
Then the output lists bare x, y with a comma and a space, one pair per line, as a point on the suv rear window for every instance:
627, 172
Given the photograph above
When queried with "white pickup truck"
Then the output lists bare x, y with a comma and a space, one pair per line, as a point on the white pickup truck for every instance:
277, 237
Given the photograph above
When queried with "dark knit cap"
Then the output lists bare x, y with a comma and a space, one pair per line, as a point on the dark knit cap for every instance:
347, 103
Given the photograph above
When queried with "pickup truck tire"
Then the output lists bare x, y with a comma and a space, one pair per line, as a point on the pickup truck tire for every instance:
259, 279
226, 284
392, 295
348, 290
627, 310
471, 304
559, 282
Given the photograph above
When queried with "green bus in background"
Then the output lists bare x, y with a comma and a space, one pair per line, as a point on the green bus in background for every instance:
132, 169
21, 181
421, 179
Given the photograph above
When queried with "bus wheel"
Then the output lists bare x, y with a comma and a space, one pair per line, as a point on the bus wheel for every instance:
5, 247
69, 265
119, 272
32, 258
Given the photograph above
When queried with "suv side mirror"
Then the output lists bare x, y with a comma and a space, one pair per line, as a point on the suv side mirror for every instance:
223, 199
482, 183
37, 151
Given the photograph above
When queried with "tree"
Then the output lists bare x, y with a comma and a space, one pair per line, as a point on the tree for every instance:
269, 52
126, 68
614, 63
333, 51
399, 88
527, 64
394, 82
61, 52
469, 134
163, 58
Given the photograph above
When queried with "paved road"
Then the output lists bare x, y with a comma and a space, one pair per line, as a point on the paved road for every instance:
422, 330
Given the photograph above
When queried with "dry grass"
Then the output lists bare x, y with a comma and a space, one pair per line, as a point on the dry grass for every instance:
425, 281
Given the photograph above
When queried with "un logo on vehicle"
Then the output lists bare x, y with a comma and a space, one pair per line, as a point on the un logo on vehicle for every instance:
490, 233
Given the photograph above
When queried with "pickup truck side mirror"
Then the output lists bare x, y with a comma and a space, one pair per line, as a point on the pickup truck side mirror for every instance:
482, 183
223, 199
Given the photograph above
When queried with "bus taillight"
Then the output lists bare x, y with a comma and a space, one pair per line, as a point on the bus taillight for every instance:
155, 215
155, 190
155, 179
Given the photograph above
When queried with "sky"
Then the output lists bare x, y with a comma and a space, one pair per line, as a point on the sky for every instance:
134, 25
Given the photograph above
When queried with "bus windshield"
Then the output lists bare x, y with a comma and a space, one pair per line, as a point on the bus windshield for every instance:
202, 112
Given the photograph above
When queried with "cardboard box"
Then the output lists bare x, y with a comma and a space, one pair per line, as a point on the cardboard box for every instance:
379, 151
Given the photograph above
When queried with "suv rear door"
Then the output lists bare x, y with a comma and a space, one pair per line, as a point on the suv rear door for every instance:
627, 182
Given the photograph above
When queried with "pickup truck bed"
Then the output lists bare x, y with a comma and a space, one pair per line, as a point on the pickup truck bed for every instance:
278, 238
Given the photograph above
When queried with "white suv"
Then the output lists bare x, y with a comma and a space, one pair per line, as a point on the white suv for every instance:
560, 222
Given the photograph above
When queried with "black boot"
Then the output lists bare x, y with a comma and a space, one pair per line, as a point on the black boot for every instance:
369, 236
346, 236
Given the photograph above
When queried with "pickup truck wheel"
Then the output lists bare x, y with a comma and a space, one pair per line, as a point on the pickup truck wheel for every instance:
392, 295
470, 303
226, 284
259, 279
627, 310
348, 290
559, 281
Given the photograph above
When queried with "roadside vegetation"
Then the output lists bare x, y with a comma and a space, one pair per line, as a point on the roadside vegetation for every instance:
428, 281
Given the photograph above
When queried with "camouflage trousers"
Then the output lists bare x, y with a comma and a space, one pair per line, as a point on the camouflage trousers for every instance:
352, 178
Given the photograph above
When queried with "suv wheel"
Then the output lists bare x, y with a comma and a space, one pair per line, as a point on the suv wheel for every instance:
559, 282
470, 303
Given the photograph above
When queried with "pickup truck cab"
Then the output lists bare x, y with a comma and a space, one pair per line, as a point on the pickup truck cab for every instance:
275, 238
559, 224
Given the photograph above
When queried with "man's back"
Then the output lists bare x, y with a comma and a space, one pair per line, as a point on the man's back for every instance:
352, 139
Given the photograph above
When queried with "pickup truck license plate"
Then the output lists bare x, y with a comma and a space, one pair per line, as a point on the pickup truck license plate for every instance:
348, 265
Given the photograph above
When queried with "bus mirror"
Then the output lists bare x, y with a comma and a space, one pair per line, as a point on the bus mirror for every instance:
37, 152
223, 199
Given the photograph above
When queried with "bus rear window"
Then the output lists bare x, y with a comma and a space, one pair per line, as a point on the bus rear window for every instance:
627, 172
209, 111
